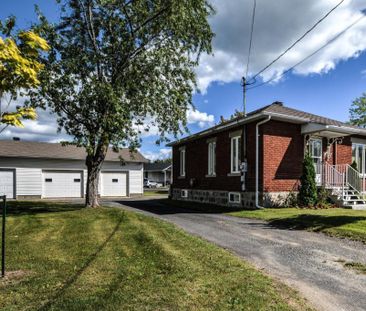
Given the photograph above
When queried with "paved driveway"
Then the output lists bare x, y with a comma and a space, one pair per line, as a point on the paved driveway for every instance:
309, 262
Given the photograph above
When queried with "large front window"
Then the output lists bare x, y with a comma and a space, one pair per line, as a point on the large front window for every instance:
358, 156
235, 154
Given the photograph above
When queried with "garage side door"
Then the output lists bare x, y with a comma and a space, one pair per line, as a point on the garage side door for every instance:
114, 184
7, 183
62, 184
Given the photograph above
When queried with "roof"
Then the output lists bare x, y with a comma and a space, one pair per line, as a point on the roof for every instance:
29, 149
277, 111
157, 166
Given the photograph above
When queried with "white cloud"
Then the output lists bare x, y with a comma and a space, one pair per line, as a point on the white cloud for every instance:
363, 73
277, 25
202, 119
164, 153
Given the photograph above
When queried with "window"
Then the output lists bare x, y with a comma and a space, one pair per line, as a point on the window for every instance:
182, 162
212, 158
315, 150
48, 180
235, 154
234, 197
184, 194
358, 156
77, 180
115, 180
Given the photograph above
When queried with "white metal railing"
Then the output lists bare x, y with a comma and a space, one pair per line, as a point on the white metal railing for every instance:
341, 176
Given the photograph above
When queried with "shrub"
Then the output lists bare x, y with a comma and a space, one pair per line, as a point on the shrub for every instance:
308, 191
354, 165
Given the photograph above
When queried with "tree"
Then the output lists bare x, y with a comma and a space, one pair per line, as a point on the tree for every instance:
308, 191
19, 69
358, 111
118, 67
165, 161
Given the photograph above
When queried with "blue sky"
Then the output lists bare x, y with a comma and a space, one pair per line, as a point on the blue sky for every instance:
326, 84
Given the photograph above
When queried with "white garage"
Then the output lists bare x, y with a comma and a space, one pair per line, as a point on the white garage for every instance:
7, 183
35, 170
62, 184
113, 184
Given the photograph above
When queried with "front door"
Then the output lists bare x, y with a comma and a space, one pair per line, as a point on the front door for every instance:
315, 149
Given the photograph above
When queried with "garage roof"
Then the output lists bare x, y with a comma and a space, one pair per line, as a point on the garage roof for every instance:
29, 149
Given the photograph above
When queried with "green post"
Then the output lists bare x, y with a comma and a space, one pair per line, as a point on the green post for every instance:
3, 239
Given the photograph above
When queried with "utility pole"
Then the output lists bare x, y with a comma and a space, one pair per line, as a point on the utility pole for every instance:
244, 85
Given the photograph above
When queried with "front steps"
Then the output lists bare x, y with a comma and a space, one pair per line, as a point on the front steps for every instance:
349, 199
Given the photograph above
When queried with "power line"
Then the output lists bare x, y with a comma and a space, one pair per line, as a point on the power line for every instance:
244, 79
251, 37
311, 55
298, 40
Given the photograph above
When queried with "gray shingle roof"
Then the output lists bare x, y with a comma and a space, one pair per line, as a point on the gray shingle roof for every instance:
29, 149
156, 166
279, 108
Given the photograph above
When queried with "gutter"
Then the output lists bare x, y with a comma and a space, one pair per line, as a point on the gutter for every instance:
257, 161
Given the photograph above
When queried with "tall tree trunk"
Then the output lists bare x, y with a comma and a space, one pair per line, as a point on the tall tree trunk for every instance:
94, 164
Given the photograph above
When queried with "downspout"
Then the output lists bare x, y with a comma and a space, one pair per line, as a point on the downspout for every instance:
257, 161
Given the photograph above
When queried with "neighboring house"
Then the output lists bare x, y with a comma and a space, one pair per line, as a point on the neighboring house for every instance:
159, 172
256, 160
45, 170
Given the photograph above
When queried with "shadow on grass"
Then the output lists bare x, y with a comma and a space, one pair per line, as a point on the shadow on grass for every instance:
167, 206
314, 222
71, 280
19, 208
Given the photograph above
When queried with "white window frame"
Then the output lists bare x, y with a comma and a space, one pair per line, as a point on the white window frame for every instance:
234, 194
184, 193
235, 158
182, 162
360, 166
212, 158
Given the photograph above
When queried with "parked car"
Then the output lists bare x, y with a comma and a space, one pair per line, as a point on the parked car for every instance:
151, 184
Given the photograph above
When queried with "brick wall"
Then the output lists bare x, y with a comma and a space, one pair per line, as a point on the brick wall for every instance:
283, 147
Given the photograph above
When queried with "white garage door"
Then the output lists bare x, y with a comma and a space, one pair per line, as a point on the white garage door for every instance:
114, 184
7, 183
62, 184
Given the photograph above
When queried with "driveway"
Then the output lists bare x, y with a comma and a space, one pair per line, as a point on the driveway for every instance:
306, 261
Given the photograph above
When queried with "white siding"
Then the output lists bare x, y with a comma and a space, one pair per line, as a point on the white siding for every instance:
29, 181
136, 182
29, 173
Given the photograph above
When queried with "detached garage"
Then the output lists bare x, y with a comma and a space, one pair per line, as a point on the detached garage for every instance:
44, 170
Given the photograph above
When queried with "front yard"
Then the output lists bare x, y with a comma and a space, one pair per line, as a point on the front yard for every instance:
70, 258
345, 223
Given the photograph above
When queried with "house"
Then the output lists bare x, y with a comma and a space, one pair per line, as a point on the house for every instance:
256, 160
158, 172
43, 170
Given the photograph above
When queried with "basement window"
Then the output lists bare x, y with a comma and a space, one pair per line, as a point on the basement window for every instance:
234, 197
77, 180
184, 194
48, 180
115, 180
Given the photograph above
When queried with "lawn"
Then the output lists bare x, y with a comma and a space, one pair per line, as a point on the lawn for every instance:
345, 223
71, 258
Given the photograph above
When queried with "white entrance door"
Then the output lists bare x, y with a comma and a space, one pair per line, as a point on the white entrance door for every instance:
7, 183
316, 152
114, 184
62, 184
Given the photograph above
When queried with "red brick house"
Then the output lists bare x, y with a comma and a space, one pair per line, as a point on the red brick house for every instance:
256, 160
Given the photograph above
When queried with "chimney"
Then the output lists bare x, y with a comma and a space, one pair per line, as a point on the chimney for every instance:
16, 138
277, 103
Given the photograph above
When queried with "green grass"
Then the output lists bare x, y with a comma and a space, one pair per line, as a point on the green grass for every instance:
345, 223
107, 259
358, 267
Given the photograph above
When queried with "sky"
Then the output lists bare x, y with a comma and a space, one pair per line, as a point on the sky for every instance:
326, 84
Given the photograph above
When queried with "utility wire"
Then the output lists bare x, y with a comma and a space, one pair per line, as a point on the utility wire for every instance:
311, 55
251, 37
298, 40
